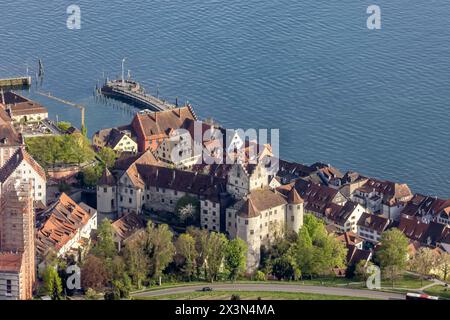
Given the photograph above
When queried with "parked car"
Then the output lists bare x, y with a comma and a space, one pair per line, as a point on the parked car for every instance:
206, 289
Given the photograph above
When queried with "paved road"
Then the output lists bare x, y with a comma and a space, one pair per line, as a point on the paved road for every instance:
359, 293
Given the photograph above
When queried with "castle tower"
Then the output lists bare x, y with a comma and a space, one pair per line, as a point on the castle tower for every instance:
295, 211
17, 239
106, 193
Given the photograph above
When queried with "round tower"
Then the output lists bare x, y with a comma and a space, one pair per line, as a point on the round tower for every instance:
106, 193
295, 210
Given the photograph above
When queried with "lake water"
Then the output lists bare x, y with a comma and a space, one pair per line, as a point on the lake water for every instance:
375, 101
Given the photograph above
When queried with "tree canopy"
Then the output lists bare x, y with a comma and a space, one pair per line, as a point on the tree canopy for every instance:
50, 151
392, 255
235, 257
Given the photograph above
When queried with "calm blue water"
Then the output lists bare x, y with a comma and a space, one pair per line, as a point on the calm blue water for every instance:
373, 101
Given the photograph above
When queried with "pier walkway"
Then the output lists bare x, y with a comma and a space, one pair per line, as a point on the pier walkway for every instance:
133, 93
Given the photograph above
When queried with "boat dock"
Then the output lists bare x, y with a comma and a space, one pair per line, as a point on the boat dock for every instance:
131, 92
15, 82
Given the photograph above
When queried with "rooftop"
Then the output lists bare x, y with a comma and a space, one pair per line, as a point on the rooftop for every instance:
59, 224
10, 262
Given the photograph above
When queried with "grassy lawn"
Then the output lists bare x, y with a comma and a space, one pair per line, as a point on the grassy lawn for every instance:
408, 281
314, 282
439, 291
248, 295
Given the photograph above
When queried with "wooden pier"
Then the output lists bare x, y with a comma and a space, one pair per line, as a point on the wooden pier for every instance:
131, 92
15, 82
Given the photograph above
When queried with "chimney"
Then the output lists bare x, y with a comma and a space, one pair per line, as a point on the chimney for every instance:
3, 98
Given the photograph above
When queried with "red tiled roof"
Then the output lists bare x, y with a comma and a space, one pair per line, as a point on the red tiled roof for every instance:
185, 181
426, 233
128, 225
373, 222
260, 200
157, 123
349, 238
107, 179
10, 262
61, 222
391, 192
15, 160
421, 205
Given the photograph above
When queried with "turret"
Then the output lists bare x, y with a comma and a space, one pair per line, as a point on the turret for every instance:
295, 211
106, 193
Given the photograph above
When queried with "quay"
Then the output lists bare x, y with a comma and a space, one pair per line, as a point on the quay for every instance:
130, 91
15, 82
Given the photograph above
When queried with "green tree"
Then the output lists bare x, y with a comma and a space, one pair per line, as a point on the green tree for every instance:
443, 265
423, 262
91, 175
316, 252
105, 247
259, 276
361, 269
64, 125
52, 283
137, 261
217, 243
91, 294
185, 247
235, 257
62, 150
160, 247
108, 156
201, 237
392, 255
285, 268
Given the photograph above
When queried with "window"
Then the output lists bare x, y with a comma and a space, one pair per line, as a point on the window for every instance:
8, 287
205, 211
246, 222
130, 200
105, 190
252, 232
